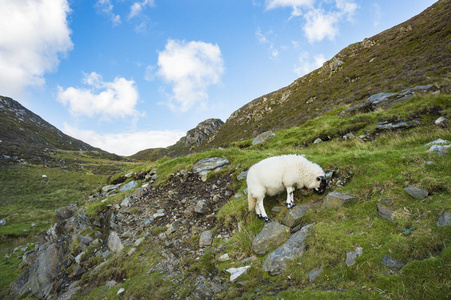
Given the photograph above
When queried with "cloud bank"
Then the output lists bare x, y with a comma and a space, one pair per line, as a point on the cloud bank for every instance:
125, 143
33, 37
190, 67
107, 100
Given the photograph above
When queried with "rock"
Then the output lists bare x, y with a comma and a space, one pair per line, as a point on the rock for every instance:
205, 288
224, 257
337, 199
2, 222
203, 130
109, 188
349, 136
131, 251
380, 99
173, 227
79, 256
445, 219
121, 290
263, 138
416, 193
272, 235
442, 122
438, 142
275, 263
114, 242
351, 256
139, 241
64, 213
317, 141
385, 212
312, 275
206, 165
235, 273
125, 202
441, 150
294, 216
132, 184
388, 126
201, 207
242, 175
206, 239
392, 263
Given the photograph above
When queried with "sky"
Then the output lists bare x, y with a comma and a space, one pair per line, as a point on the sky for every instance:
128, 75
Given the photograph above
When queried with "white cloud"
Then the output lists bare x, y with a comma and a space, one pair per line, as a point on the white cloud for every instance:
265, 39
106, 8
272, 4
33, 36
116, 99
307, 65
125, 143
137, 7
320, 25
190, 68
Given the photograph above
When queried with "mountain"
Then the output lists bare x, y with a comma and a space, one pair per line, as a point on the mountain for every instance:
416, 52
25, 135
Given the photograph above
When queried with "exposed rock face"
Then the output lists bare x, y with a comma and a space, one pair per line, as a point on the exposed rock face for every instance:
206, 128
272, 235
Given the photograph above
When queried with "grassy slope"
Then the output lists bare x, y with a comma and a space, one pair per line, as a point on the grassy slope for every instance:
380, 169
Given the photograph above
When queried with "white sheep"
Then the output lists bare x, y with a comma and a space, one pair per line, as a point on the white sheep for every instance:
272, 175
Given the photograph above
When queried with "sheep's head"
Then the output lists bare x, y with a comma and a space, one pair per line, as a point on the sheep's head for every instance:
322, 184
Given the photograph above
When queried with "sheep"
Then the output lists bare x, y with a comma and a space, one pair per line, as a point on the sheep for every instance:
272, 175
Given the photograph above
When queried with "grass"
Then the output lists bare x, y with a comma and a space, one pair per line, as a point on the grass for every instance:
378, 169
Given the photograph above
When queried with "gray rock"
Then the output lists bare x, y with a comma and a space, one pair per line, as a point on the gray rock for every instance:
392, 263
235, 273
242, 175
263, 138
317, 141
173, 227
276, 261
132, 184
84, 240
381, 98
388, 126
294, 216
64, 213
203, 130
125, 202
349, 136
206, 165
352, 256
109, 188
337, 199
438, 142
385, 212
445, 219
312, 275
442, 122
201, 207
416, 193
2, 222
272, 235
441, 150
114, 242
206, 239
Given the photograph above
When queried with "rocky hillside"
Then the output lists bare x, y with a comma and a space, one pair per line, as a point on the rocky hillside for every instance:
416, 52
26, 136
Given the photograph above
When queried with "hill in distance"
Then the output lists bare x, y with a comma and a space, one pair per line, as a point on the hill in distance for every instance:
416, 52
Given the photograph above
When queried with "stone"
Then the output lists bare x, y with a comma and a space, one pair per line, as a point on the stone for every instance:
206, 165
125, 202
294, 216
312, 275
265, 136
352, 256
109, 188
201, 207
224, 257
173, 227
84, 240
131, 251
121, 290
197, 135
349, 136
296, 245
388, 126
206, 238
337, 199
385, 212
114, 242
317, 141
64, 213
445, 219
242, 175
438, 142
2, 222
128, 186
442, 122
441, 150
392, 263
235, 273
79, 256
416, 193
139, 241
272, 235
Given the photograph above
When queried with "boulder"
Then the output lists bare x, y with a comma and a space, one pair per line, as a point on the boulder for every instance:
276, 261
385, 212
439, 149
272, 235
206, 165
337, 199
204, 129
352, 256
64, 213
294, 216
416, 193
132, 184
445, 219
263, 138
114, 242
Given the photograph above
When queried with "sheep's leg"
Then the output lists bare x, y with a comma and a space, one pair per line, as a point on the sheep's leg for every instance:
290, 197
260, 210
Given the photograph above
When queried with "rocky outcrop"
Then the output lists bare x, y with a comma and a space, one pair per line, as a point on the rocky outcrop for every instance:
202, 131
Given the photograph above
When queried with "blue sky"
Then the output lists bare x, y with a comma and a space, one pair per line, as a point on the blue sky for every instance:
127, 75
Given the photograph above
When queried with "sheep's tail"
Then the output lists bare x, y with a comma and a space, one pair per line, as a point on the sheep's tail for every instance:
252, 201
